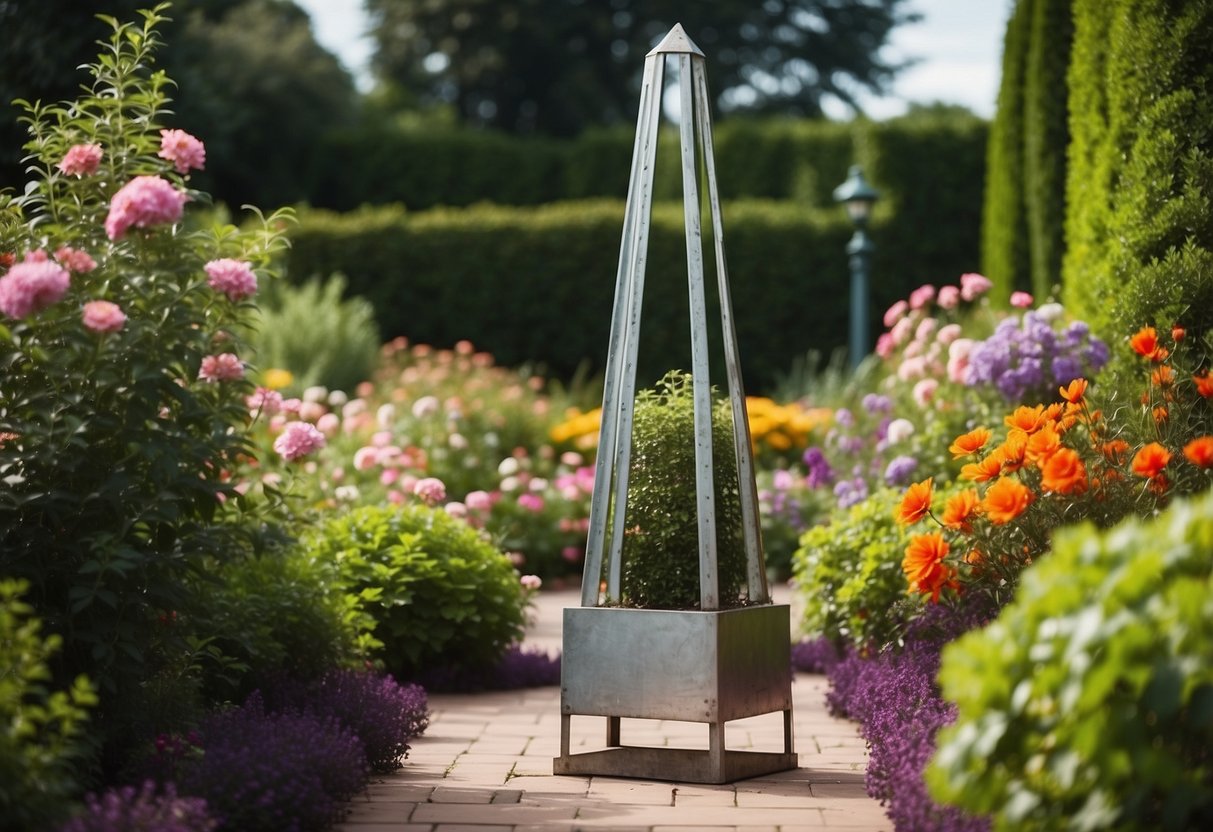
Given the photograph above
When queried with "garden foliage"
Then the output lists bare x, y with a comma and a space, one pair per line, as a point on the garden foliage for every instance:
661, 525
440, 593
1088, 703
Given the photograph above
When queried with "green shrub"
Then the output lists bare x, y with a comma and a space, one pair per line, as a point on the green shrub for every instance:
848, 575
321, 337
441, 596
661, 546
41, 731
1088, 703
284, 613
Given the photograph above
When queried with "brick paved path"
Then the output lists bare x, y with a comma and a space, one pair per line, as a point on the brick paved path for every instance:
485, 764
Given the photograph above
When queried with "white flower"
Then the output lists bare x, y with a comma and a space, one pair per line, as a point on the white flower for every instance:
425, 406
1050, 312
346, 493
315, 394
385, 415
337, 398
899, 429
508, 467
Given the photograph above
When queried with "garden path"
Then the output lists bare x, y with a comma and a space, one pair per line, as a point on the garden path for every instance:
485, 765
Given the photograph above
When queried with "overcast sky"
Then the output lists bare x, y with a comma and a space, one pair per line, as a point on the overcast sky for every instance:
958, 44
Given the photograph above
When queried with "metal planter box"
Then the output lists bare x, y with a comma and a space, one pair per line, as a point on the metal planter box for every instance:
691, 666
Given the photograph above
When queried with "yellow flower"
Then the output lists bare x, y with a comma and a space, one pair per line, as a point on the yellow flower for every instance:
276, 378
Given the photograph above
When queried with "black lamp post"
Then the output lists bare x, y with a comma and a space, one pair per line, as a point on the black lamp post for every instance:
858, 197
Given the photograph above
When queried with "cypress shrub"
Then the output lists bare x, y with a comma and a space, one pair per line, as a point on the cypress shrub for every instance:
1046, 136
1140, 224
1004, 227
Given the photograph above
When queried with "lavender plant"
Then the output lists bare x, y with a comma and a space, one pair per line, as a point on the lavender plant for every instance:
275, 772
147, 808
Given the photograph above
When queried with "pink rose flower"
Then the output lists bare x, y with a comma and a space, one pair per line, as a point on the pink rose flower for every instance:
182, 149
478, 501
895, 313
1021, 300
924, 391
329, 423
911, 368
900, 332
430, 489
31, 286
103, 316
926, 328
143, 202
949, 297
223, 367
948, 334
973, 286
234, 278
365, 458
884, 345
298, 439
921, 296
531, 502
81, 160
531, 581
958, 359
264, 401
75, 260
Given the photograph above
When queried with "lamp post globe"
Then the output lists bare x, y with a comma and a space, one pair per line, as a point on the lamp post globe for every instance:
858, 196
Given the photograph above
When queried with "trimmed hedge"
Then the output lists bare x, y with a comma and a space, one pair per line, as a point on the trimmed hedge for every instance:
537, 284
1139, 224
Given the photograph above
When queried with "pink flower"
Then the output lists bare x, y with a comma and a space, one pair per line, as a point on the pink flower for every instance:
32, 285
572, 554
103, 316
895, 313
913, 367
232, 277
958, 359
949, 297
75, 260
531, 581
1021, 300
884, 345
926, 328
430, 489
182, 149
973, 286
921, 296
924, 391
948, 334
531, 502
456, 509
298, 439
365, 458
264, 401
478, 501
328, 423
900, 332
142, 202
81, 160
223, 367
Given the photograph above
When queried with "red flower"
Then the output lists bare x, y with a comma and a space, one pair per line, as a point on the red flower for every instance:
1200, 451
1150, 460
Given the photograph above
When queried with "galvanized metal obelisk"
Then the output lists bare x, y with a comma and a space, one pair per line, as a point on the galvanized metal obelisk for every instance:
713, 664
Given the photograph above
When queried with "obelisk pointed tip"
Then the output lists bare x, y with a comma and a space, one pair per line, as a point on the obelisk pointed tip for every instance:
676, 42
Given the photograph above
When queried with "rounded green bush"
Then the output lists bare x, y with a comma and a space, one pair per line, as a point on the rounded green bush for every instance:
661, 549
440, 594
1088, 703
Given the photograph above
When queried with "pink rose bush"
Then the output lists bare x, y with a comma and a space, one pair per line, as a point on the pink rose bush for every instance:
143, 202
298, 439
223, 367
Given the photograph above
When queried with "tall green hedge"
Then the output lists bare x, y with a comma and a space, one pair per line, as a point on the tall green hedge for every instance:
1004, 229
537, 284
1046, 137
1139, 224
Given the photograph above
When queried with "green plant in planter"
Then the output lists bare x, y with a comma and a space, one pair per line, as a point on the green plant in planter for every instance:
661, 546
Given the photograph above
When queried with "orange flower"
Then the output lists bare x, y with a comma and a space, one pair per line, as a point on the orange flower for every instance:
1064, 473
960, 509
970, 443
916, 504
1026, 419
1011, 452
924, 567
1162, 376
1150, 460
1178, 333
1145, 343
973, 557
1160, 415
1006, 499
1115, 451
1074, 391
1200, 451
1041, 445
983, 470
1204, 384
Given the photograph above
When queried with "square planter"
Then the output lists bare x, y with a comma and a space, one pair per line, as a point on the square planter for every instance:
691, 666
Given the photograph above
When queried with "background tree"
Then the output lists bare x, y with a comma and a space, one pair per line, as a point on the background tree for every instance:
558, 66
252, 82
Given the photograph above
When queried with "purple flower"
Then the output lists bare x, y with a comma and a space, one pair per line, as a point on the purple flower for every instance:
820, 473
1026, 360
877, 403
900, 469
852, 491
844, 418
145, 809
